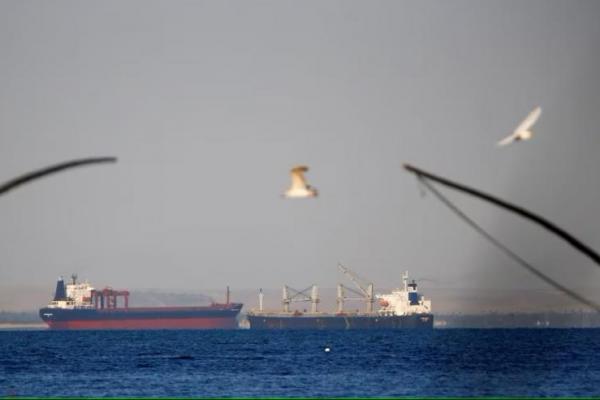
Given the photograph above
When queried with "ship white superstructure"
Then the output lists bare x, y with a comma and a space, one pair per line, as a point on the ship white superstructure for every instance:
76, 295
404, 301
80, 292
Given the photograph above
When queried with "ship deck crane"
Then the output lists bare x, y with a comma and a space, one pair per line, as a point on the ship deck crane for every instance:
107, 297
291, 295
365, 290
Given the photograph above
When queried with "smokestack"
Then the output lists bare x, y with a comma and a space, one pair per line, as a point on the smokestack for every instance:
60, 293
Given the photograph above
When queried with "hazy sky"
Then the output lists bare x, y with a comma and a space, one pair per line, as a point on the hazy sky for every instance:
209, 104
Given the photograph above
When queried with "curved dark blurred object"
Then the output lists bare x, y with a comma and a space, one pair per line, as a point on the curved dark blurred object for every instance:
510, 207
40, 173
565, 290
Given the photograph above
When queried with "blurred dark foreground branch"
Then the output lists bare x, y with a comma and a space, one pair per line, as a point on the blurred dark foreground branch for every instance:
423, 176
26, 178
544, 223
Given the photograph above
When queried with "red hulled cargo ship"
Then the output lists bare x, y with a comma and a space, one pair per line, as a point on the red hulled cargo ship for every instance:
80, 306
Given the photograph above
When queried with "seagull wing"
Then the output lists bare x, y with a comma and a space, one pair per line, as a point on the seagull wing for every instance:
529, 120
506, 140
298, 180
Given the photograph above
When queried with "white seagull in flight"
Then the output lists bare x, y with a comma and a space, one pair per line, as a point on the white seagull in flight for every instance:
299, 187
523, 131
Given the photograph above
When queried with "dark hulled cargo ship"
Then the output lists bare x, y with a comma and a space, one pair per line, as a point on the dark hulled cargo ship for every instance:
80, 306
403, 308
340, 321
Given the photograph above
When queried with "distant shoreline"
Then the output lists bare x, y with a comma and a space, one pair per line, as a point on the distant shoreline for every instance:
549, 319
22, 325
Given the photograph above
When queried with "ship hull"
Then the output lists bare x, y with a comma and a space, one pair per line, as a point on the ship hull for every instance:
210, 317
327, 322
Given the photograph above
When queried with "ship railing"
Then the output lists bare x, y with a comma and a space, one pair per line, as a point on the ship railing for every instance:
85, 306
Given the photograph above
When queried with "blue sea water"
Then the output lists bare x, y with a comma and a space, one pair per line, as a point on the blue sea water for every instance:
552, 362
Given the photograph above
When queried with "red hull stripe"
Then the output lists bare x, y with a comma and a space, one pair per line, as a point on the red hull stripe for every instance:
162, 323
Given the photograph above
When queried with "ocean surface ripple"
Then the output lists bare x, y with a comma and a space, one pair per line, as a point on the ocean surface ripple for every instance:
453, 362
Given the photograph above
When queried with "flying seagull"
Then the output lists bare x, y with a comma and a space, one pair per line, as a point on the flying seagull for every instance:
299, 188
28, 177
523, 131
